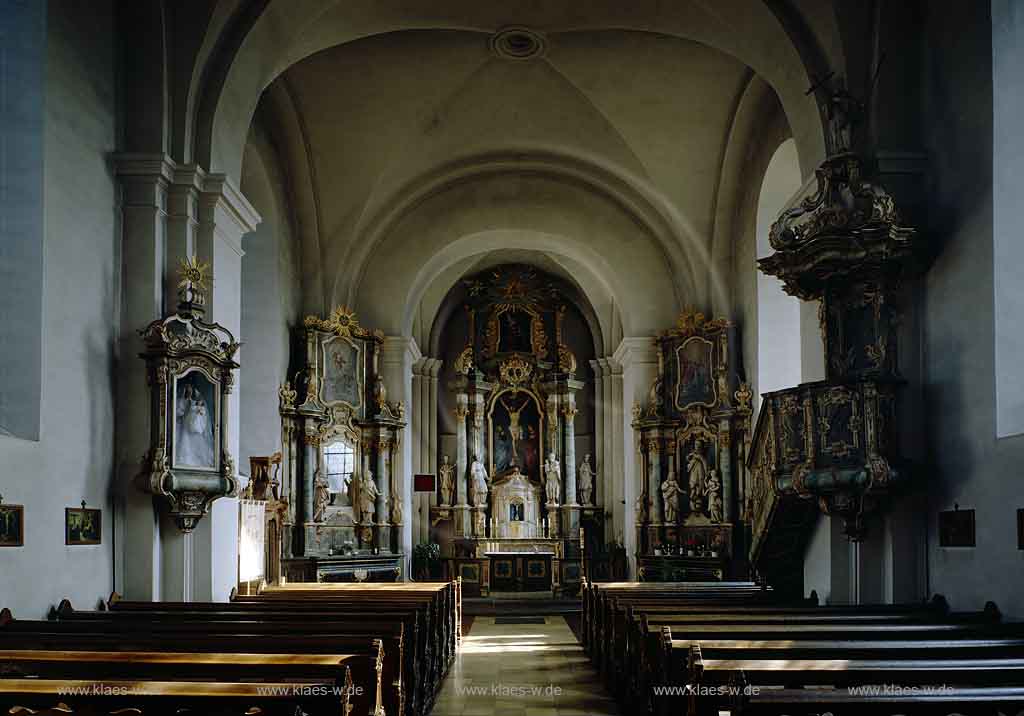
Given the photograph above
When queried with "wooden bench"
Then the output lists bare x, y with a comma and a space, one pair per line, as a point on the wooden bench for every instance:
402, 672
161, 682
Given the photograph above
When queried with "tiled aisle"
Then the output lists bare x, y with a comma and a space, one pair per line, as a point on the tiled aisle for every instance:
522, 670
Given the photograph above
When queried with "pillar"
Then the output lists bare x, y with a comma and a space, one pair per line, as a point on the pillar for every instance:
598, 462
569, 462
725, 468
398, 355
171, 212
462, 526
637, 363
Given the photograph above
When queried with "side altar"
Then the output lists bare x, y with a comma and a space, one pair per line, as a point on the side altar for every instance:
340, 435
514, 498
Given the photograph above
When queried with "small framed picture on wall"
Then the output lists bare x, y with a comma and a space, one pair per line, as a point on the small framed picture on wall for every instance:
12, 525
82, 525
1020, 528
956, 528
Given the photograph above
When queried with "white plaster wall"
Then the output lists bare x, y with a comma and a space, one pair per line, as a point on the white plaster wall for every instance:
968, 465
778, 314
270, 302
73, 460
1008, 97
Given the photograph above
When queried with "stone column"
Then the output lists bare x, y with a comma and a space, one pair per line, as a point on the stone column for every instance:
416, 436
639, 365
172, 212
569, 463
725, 468
431, 454
654, 477
462, 526
383, 480
617, 479
144, 183
598, 462
398, 355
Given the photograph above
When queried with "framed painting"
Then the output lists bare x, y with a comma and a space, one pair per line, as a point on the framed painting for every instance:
342, 372
695, 383
956, 528
516, 433
83, 525
12, 525
195, 433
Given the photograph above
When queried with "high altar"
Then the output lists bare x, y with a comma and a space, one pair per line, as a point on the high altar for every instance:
510, 514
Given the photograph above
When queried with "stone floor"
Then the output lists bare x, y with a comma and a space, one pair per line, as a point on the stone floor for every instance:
522, 670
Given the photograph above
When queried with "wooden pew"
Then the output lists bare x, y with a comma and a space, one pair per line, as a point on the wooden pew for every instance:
213, 631
162, 682
425, 662
990, 675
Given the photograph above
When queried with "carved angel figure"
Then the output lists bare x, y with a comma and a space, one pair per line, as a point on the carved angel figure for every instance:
553, 479
715, 497
670, 496
447, 473
478, 478
586, 480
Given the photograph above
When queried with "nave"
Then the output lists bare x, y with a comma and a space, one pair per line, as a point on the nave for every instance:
536, 669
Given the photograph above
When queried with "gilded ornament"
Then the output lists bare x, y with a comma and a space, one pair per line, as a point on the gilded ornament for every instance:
287, 396
464, 363
743, 396
515, 371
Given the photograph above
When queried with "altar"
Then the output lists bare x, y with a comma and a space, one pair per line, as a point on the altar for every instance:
521, 565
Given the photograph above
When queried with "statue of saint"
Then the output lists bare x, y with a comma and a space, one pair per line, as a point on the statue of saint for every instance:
697, 469
368, 493
321, 497
586, 481
641, 508
478, 480
714, 497
553, 479
447, 472
670, 496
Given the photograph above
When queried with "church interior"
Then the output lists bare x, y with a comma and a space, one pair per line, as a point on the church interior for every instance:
541, 359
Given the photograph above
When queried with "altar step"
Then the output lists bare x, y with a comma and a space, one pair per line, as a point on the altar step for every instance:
519, 603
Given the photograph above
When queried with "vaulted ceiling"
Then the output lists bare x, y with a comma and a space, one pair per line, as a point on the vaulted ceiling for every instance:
616, 139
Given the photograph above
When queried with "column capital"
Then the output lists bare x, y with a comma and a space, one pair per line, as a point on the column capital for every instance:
635, 350
398, 349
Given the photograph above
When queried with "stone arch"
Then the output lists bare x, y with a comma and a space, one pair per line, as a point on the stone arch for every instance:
634, 205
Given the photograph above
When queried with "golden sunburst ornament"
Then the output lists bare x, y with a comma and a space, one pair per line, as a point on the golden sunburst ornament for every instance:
193, 272
342, 321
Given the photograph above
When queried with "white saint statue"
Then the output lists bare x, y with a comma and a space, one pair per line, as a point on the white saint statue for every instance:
321, 496
553, 479
367, 497
670, 497
193, 437
447, 472
714, 497
478, 480
697, 469
586, 481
